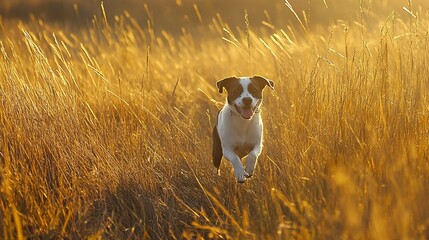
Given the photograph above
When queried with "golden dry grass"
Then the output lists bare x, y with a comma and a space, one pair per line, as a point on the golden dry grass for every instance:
106, 131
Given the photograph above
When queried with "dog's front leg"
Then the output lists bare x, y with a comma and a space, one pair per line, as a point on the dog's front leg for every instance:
252, 160
236, 163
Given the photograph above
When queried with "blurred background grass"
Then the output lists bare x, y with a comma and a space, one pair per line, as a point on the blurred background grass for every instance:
170, 15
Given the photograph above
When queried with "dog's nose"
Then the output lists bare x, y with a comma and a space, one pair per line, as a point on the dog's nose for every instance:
247, 101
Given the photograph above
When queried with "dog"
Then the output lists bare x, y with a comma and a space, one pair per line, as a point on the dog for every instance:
238, 131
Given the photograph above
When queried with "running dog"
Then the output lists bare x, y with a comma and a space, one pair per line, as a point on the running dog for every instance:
239, 129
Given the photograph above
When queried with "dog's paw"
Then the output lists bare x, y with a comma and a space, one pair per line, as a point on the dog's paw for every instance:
249, 171
242, 181
241, 176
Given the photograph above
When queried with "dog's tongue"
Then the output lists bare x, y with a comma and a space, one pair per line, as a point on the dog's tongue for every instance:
246, 113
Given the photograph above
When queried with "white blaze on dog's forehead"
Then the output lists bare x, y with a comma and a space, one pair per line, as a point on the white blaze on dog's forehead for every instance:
245, 82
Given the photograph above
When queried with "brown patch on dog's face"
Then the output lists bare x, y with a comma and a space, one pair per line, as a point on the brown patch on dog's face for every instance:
232, 86
234, 92
226, 83
255, 90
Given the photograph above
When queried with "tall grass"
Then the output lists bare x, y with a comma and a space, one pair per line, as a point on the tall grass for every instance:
106, 131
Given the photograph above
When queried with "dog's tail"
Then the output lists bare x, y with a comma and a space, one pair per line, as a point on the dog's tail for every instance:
217, 149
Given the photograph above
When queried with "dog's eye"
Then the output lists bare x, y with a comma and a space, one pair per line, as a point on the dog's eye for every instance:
236, 91
252, 89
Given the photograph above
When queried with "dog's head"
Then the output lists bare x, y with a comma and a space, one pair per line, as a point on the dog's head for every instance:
244, 93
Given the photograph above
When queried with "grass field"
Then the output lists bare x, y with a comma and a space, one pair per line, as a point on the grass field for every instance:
106, 129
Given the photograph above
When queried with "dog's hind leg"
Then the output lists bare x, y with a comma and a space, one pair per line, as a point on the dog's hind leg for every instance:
217, 149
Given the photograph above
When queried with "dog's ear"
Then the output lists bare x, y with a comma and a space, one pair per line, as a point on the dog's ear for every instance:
224, 83
262, 82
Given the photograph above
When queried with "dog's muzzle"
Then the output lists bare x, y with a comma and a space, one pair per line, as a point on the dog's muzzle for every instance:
246, 112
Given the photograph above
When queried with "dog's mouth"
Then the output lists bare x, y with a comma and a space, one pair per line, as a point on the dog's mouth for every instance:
245, 112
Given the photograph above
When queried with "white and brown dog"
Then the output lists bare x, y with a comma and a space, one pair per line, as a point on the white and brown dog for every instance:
239, 127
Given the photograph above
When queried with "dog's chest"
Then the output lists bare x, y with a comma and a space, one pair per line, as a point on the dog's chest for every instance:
245, 138
242, 135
